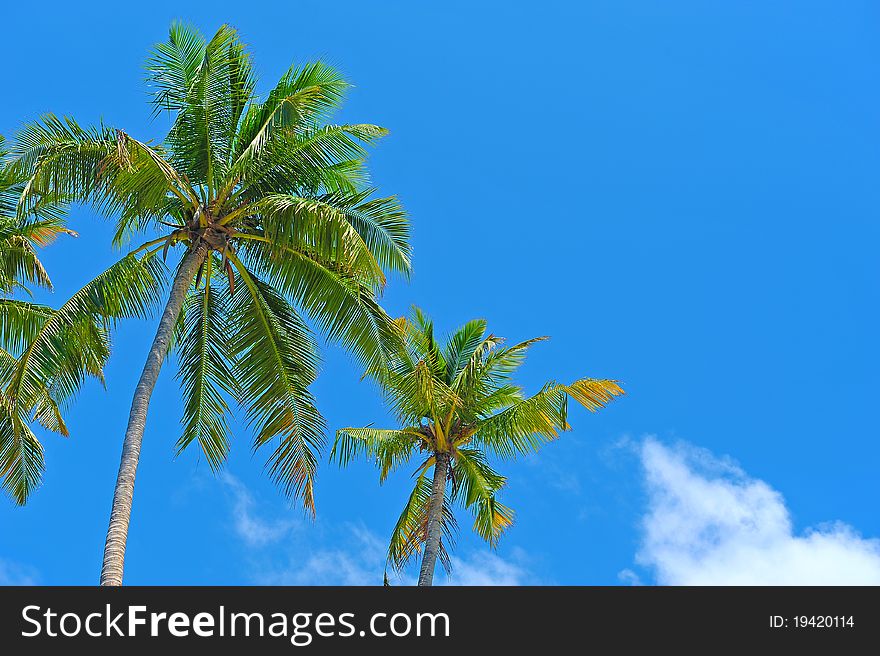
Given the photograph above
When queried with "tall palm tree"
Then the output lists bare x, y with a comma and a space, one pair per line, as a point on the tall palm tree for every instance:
269, 208
45, 354
457, 406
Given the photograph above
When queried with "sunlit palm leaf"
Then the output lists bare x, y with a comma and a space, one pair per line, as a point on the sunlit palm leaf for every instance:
408, 536
343, 306
21, 455
388, 448
205, 371
275, 362
525, 427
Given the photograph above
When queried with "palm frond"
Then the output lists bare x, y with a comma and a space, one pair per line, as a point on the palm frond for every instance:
275, 362
72, 342
308, 161
526, 426
408, 536
321, 226
461, 346
172, 67
21, 455
207, 118
110, 169
473, 478
491, 518
388, 448
301, 97
205, 371
476, 486
343, 306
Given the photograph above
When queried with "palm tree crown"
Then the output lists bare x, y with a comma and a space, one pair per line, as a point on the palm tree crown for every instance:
270, 209
457, 406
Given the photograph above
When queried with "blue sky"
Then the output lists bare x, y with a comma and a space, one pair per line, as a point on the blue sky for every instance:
683, 195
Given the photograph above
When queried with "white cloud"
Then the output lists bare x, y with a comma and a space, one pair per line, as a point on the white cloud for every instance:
708, 523
12, 573
253, 529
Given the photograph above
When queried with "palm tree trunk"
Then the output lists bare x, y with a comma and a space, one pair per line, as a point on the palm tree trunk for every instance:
117, 533
435, 519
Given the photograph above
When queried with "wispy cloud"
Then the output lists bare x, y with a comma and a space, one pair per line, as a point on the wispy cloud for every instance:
629, 577
348, 554
12, 573
709, 523
255, 530
488, 568
360, 560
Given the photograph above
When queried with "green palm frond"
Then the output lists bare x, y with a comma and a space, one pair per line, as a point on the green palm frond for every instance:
424, 344
172, 67
476, 485
301, 98
118, 174
205, 370
490, 401
20, 322
469, 382
417, 394
202, 137
19, 240
528, 425
342, 305
388, 448
21, 235
275, 362
473, 478
502, 363
56, 350
130, 288
461, 346
383, 225
308, 160
45, 354
408, 536
21, 455
319, 225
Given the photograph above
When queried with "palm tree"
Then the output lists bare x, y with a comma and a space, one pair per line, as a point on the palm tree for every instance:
457, 405
269, 207
45, 354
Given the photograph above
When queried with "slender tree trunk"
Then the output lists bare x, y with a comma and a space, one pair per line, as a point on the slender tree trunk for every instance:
435, 519
117, 533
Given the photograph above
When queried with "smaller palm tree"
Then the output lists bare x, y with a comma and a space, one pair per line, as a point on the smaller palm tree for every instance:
458, 406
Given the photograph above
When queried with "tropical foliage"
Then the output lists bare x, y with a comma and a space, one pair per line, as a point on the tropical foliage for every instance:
45, 354
458, 408
277, 229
